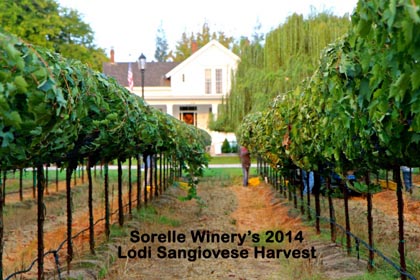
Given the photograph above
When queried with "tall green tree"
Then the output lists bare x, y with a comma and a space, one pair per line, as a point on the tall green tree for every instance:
242, 97
161, 52
277, 63
45, 23
183, 47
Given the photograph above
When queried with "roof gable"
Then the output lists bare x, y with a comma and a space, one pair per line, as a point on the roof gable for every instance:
154, 75
200, 52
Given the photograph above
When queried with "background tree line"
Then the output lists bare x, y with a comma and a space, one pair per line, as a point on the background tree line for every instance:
45, 23
183, 47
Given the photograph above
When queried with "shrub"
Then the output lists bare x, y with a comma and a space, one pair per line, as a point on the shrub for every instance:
226, 146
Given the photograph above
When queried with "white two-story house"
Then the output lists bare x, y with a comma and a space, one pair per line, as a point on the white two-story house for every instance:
190, 91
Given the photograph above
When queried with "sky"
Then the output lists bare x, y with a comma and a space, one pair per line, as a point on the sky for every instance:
130, 26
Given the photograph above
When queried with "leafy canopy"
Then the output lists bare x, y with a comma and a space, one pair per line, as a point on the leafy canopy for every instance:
45, 23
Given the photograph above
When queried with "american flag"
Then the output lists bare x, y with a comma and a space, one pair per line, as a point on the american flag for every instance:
130, 78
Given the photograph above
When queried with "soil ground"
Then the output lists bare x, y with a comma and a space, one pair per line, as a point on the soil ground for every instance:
231, 209
226, 208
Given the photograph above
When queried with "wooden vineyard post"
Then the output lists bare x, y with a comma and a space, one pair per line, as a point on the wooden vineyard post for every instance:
284, 186
168, 170
145, 179
56, 178
370, 222
331, 209
46, 179
90, 206
160, 172
164, 172
155, 175
138, 181
317, 191
347, 217
69, 172
33, 182
75, 178
275, 178
308, 197
150, 175
1, 228
4, 187
120, 200
265, 172
82, 171
302, 186
106, 191
400, 201
130, 186
41, 219
21, 184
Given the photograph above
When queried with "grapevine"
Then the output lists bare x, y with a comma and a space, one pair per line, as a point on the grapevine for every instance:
57, 110
360, 110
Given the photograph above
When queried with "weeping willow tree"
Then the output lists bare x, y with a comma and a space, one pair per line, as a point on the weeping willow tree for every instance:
249, 70
289, 55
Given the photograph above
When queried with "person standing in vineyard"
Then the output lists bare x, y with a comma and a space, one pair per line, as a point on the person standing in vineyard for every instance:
308, 181
246, 163
408, 182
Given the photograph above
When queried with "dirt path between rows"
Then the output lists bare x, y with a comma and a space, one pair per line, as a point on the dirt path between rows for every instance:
253, 212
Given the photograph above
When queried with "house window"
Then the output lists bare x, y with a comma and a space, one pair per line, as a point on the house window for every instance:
183, 77
188, 108
207, 76
219, 81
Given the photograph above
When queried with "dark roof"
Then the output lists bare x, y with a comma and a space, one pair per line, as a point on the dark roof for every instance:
154, 75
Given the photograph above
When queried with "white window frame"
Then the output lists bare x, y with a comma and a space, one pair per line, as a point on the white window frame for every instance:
207, 81
219, 80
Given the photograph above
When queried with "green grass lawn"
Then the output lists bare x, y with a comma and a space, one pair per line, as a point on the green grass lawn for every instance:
231, 159
219, 159
217, 172
227, 172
